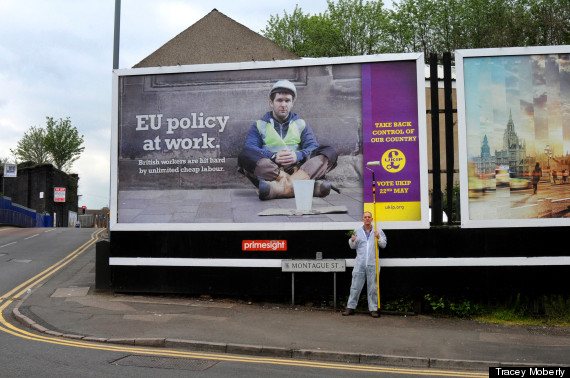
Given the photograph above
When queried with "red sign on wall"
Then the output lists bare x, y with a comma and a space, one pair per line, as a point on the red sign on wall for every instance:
58, 194
264, 245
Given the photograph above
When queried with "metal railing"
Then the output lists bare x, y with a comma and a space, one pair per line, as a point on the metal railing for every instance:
14, 218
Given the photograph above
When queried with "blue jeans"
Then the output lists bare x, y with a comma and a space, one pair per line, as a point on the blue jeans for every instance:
359, 275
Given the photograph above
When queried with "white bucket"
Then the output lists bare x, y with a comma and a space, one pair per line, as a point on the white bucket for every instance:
304, 193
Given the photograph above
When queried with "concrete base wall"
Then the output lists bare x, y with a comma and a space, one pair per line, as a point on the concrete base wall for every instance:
434, 243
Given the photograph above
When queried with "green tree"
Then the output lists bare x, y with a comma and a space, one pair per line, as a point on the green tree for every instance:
413, 24
449, 16
360, 27
355, 27
32, 147
288, 31
400, 34
550, 20
322, 36
59, 144
4, 160
63, 142
347, 27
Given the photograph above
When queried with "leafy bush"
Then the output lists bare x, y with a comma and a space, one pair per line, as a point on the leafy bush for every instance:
462, 308
557, 307
400, 305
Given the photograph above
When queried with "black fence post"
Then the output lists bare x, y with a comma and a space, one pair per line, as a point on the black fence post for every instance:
449, 148
436, 210
102, 267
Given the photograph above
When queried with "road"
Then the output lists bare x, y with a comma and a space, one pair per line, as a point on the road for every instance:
550, 201
29, 257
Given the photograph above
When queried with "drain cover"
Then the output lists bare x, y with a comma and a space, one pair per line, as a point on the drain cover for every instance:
166, 362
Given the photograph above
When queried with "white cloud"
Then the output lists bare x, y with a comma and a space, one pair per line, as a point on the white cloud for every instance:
56, 60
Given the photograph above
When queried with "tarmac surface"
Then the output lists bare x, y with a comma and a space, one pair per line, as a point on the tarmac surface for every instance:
67, 305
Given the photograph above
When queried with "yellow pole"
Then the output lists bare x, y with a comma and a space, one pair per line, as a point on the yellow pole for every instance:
375, 239
368, 165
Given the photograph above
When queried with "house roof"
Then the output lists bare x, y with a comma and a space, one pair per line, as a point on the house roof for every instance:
215, 38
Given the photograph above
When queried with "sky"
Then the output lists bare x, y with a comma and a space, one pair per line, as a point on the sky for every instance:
534, 90
56, 59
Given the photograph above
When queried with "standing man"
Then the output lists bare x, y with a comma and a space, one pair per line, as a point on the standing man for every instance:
536, 175
363, 241
281, 148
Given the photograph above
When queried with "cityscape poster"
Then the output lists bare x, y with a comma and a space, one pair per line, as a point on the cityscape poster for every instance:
514, 127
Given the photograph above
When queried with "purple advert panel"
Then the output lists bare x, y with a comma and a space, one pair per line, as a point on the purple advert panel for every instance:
391, 146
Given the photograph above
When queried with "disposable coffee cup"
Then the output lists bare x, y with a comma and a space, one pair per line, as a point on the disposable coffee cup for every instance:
304, 193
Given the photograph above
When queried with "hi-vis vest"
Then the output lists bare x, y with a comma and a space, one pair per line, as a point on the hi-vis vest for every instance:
273, 142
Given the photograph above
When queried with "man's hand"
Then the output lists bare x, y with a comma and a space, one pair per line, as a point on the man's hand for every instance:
286, 157
353, 238
377, 234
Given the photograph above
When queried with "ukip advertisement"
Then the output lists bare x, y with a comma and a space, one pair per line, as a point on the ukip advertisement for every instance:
391, 141
283, 145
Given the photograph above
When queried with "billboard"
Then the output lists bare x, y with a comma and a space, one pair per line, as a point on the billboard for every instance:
514, 134
195, 147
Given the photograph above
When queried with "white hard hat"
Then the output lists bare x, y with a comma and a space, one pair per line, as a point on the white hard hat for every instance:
284, 85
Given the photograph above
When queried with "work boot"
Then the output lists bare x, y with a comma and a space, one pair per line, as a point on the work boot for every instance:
375, 314
264, 189
322, 188
281, 187
254, 179
348, 312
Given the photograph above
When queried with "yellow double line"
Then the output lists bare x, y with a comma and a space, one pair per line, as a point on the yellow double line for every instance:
20, 290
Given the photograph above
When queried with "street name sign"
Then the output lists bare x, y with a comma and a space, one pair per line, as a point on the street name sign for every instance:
313, 265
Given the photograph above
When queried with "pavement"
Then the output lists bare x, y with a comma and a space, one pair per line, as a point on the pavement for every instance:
66, 305
239, 205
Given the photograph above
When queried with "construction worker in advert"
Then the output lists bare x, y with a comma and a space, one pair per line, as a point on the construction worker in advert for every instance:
281, 148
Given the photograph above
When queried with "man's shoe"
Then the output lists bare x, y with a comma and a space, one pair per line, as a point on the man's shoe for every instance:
281, 187
322, 188
264, 189
375, 314
348, 312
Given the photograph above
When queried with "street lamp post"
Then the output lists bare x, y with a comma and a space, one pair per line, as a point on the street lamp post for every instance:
117, 34
548, 153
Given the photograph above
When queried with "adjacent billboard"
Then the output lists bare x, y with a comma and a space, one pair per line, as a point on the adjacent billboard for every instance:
514, 135
193, 146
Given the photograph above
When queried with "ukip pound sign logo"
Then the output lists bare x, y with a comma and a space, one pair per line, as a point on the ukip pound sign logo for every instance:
393, 160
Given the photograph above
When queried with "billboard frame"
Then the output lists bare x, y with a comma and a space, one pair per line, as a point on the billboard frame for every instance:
418, 58
460, 56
